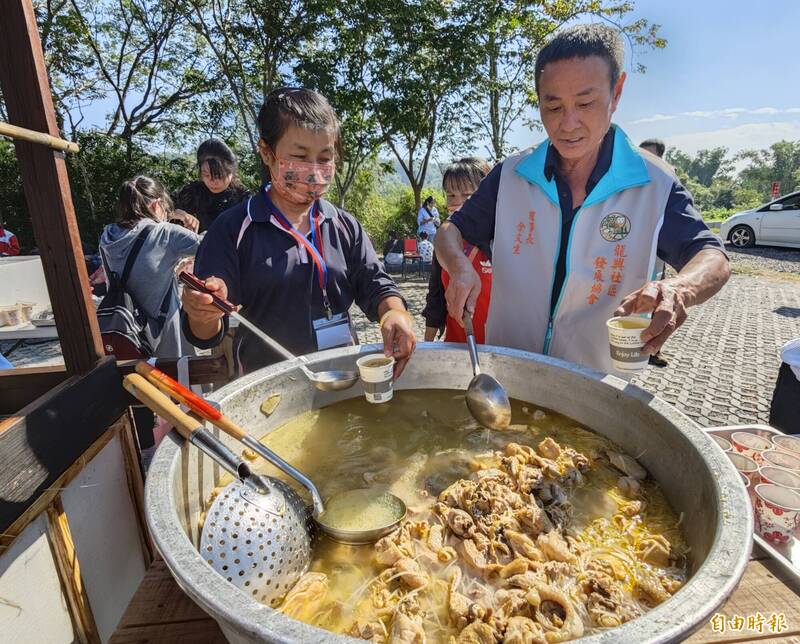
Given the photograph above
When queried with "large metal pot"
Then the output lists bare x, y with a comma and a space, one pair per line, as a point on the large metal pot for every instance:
697, 478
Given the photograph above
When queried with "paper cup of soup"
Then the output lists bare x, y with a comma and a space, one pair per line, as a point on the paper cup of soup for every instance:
625, 342
773, 475
376, 371
724, 443
781, 459
777, 512
744, 464
784, 443
750, 444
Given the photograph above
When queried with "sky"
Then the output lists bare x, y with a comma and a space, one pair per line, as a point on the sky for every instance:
729, 76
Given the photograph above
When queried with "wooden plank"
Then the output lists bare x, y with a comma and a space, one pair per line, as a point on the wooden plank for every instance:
41, 504
69, 572
29, 103
201, 632
40, 444
159, 600
20, 387
764, 589
133, 476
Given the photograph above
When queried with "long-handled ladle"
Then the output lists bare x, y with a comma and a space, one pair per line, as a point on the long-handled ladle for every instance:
487, 400
333, 380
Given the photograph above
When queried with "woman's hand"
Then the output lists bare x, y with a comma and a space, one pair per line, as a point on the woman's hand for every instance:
189, 221
204, 317
399, 339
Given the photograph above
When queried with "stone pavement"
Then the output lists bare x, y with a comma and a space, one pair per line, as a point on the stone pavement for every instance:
722, 363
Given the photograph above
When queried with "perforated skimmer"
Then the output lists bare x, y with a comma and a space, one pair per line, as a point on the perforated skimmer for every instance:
261, 543
258, 532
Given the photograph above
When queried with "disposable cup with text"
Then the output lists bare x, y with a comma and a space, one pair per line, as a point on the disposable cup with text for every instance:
625, 342
376, 372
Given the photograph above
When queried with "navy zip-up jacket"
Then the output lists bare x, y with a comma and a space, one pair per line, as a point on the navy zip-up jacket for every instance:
276, 281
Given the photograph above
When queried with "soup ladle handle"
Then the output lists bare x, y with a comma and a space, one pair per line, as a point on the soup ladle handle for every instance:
471, 347
205, 410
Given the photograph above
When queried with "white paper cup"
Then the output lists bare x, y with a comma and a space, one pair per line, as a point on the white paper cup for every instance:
626, 343
376, 371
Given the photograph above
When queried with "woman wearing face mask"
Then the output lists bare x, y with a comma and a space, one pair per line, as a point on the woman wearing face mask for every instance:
292, 260
460, 180
219, 187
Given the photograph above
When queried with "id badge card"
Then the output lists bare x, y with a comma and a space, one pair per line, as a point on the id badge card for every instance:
334, 332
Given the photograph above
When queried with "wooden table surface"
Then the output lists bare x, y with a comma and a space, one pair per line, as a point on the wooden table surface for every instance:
160, 612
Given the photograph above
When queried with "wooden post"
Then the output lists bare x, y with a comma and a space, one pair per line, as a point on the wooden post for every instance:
26, 90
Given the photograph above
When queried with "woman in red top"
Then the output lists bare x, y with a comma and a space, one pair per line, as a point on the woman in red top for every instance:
460, 180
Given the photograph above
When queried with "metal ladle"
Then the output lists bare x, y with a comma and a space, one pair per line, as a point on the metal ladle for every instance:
486, 399
205, 410
333, 380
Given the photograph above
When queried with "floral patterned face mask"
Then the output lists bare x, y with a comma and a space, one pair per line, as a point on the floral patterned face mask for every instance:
302, 183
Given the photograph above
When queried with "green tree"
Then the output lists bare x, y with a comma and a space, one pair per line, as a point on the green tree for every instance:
412, 59
254, 44
781, 162
506, 37
149, 62
705, 167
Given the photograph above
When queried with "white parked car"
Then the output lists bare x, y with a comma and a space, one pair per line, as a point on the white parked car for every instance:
776, 223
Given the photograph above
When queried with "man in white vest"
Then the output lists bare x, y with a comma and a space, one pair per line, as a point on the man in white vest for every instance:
578, 222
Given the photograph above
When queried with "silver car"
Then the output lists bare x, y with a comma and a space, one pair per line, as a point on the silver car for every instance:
776, 223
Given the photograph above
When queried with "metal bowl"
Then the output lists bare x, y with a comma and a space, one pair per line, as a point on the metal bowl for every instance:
697, 478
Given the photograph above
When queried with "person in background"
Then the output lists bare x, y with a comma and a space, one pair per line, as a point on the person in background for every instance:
393, 251
144, 204
219, 187
293, 261
576, 223
654, 146
657, 147
9, 244
425, 248
428, 218
783, 411
460, 180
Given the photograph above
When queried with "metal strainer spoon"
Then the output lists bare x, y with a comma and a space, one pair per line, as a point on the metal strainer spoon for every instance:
257, 533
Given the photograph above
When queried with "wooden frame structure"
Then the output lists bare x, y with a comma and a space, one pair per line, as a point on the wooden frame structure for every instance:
66, 430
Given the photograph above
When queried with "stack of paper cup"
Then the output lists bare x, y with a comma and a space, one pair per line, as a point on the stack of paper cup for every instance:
625, 341
376, 372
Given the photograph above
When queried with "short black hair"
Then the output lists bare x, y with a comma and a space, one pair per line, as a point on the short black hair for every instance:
428, 199
298, 106
467, 172
423, 235
656, 144
582, 41
220, 158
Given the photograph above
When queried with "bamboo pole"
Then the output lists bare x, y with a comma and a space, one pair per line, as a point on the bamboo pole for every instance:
24, 134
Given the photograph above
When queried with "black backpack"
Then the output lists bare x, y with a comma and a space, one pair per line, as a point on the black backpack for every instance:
124, 326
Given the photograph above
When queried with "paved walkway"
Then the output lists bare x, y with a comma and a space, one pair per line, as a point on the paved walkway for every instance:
722, 363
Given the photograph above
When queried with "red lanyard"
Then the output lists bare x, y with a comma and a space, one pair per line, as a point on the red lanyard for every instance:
315, 249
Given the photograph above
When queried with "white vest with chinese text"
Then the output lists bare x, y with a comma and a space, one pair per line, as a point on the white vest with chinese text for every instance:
611, 252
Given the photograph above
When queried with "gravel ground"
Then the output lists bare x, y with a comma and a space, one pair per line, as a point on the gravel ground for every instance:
765, 258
